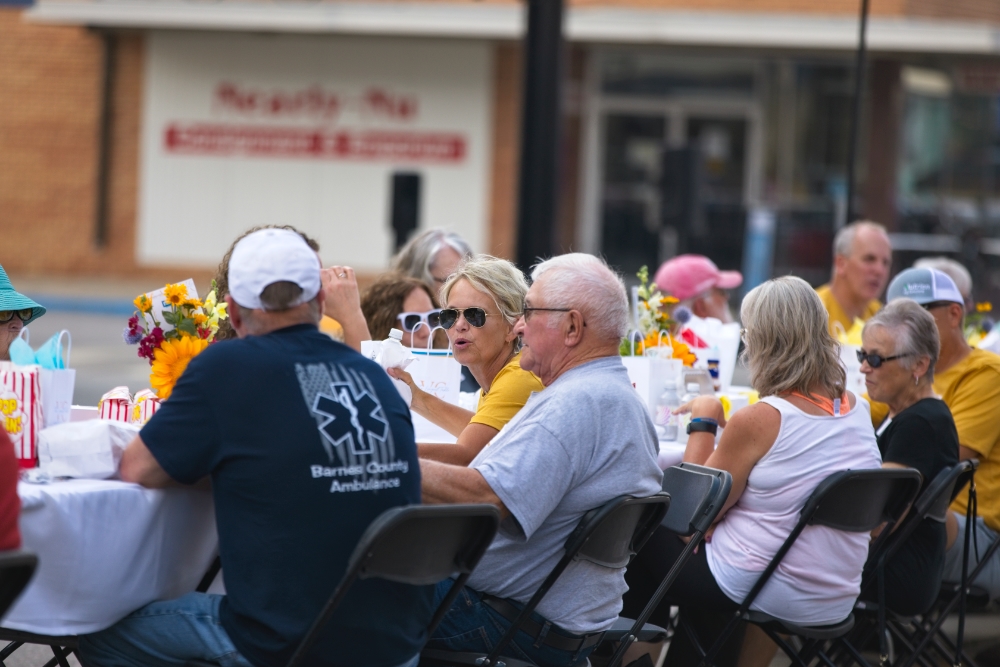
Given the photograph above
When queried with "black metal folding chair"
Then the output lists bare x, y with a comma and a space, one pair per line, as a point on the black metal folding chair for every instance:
925, 632
852, 501
932, 504
608, 536
697, 495
418, 545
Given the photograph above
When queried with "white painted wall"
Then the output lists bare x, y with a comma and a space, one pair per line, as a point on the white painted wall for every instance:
194, 202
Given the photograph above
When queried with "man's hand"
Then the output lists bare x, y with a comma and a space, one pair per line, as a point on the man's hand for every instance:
342, 302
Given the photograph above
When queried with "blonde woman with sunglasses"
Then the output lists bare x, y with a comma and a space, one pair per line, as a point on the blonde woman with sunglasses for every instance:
482, 300
16, 311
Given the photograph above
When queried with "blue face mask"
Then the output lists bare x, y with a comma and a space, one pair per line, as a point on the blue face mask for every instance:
49, 355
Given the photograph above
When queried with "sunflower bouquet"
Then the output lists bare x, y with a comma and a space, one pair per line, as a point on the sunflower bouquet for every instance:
188, 325
653, 325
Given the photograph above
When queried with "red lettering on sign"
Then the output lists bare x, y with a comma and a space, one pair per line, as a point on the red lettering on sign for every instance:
211, 139
314, 102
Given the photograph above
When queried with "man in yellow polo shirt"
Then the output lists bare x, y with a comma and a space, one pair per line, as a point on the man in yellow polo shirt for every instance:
968, 381
862, 256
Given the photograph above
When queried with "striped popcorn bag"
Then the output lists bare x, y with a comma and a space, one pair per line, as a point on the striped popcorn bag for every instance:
21, 410
116, 405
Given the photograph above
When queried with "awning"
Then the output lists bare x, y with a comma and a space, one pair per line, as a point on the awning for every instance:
506, 21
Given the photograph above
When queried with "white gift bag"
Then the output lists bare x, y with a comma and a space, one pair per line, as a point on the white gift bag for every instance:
650, 375
88, 449
57, 388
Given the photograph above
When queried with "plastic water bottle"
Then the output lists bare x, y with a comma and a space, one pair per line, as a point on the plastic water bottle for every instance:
665, 418
693, 392
394, 355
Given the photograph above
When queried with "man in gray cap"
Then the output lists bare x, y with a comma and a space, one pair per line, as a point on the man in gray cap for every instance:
968, 381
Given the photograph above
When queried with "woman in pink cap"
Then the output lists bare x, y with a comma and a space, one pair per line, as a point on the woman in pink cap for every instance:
699, 284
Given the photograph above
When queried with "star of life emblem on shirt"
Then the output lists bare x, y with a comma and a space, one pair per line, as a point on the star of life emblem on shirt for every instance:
351, 417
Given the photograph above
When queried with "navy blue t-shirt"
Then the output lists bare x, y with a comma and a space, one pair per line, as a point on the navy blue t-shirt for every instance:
306, 442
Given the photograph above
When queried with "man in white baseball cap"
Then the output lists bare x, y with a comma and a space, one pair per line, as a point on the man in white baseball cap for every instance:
306, 443
968, 381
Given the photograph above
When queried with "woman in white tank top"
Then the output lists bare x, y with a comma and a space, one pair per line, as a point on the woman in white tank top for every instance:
805, 428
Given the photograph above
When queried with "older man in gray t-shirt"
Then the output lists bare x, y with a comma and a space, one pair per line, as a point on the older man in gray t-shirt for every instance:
584, 440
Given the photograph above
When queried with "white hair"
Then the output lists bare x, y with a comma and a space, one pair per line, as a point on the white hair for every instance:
952, 269
844, 240
417, 257
913, 329
586, 283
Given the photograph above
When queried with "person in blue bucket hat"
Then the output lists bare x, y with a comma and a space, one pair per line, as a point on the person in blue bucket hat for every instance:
16, 311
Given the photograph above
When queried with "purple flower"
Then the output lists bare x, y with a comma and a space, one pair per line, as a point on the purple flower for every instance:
682, 314
131, 336
986, 325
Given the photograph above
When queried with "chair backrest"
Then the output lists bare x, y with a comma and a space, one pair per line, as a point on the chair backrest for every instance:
859, 501
16, 570
934, 502
419, 545
425, 544
610, 535
697, 495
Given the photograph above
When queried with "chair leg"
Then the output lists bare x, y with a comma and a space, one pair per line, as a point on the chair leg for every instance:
9, 649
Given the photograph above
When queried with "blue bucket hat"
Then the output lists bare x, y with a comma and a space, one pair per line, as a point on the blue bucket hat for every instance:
11, 299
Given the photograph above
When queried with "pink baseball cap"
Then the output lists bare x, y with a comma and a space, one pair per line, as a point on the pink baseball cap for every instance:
686, 276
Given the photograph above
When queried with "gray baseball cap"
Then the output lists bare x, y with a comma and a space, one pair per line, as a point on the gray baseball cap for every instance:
923, 286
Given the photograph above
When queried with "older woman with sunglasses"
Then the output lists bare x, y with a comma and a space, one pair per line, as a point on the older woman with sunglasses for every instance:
16, 311
396, 301
483, 300
900, 349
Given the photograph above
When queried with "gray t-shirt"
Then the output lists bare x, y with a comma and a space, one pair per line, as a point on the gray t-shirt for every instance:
584, 440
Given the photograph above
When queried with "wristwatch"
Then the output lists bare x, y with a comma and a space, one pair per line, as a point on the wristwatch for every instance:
703, 424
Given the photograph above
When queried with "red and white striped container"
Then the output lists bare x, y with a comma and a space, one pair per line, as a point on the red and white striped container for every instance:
21, 410
116, 405
144, 406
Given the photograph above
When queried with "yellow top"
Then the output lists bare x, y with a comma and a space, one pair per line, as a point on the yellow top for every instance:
971, 390
332, 328
836, 311
508, 393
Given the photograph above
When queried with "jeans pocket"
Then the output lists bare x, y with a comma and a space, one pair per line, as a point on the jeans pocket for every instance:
475, 640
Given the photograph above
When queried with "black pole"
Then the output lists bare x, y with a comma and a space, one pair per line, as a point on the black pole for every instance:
538, 178
859, 87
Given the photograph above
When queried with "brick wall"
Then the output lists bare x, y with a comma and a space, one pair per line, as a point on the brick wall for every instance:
976, 10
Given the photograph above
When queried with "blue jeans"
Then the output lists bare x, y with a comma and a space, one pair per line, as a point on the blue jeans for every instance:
168, 634
472, 626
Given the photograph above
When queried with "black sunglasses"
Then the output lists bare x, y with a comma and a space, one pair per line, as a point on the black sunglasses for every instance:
412, 320
474, 316
25, 314
875, 360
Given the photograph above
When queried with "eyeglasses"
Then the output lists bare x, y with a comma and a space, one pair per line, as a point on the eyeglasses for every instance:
412, 320
474, 316
936, 304
528, 311
25, 314
875, 360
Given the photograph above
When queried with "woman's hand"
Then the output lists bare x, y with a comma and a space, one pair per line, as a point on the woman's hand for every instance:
704, 407
417, 404
342, 302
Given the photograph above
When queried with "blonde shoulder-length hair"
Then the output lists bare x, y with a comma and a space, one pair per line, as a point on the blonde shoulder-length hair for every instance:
788, 342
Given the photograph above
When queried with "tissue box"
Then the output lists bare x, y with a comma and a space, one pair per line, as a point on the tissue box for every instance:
21, 409
88, 449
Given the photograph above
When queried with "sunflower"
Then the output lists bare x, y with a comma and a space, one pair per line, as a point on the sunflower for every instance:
175, 294
170, 360
143, 303
200, 318
194, 303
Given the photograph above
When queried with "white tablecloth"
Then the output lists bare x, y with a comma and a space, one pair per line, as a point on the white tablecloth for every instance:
106, 548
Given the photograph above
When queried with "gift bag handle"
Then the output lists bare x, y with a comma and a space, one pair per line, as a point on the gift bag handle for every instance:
25, 335
69, 344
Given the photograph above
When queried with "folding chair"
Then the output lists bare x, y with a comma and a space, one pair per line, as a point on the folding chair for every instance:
932, 504
697, 495
853, 501
418, 545
608, 536
926, 632
16, 571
